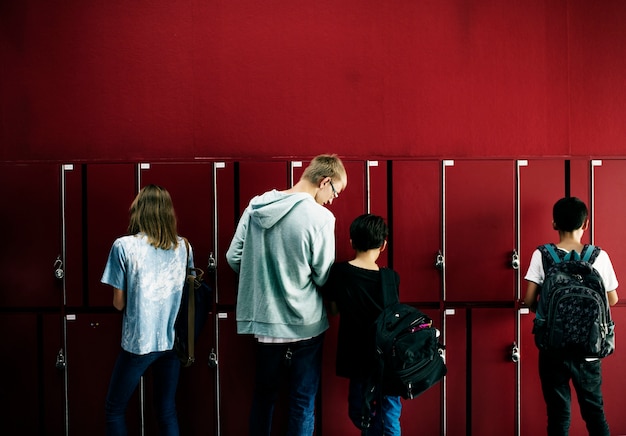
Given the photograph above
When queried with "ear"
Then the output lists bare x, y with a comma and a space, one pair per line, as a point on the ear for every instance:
324, 181
586, 224
382, 247
554, 226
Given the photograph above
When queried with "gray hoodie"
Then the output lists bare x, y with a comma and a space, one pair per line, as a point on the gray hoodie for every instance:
282, 250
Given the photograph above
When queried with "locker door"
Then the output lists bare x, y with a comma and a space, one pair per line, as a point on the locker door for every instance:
22, 391
541, 184
31, 219
109, 192
492, 372
236, 369
93, 343
416, 228
479, 230
479, 392
608, 231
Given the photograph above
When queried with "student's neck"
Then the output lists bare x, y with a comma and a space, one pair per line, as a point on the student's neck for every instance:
571, 240
366, 259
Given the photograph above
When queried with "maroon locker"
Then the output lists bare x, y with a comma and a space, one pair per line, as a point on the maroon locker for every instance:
541, 184
21, 390
32, 235
455, 405
416, 228
93, 344
109, 192
480, 230
492, 372
52, 361
608, 213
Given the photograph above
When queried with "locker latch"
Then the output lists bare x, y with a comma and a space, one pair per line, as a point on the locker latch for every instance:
514, 353
60, 363
59, 273
515, 260
212, 359
439, 261
212, 265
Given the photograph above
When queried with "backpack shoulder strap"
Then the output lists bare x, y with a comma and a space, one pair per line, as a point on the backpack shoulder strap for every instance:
390, 287
551, 249
590, 253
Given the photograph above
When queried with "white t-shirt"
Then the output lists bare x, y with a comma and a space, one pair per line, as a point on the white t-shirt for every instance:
602, 264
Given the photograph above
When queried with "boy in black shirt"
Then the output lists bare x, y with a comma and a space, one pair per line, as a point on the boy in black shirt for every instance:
354, 289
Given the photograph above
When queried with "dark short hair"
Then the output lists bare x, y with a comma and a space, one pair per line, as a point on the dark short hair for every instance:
569, 214
368, 231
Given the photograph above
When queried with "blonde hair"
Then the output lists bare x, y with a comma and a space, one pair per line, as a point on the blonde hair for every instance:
152, 212
325, 165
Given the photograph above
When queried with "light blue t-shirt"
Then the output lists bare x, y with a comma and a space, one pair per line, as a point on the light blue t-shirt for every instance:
153, 280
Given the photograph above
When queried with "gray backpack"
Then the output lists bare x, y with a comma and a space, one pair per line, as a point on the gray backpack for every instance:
573, 309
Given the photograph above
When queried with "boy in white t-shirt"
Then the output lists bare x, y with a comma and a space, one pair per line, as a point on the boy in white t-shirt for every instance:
570, 219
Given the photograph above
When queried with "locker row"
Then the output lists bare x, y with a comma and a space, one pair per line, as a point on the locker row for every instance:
461, 237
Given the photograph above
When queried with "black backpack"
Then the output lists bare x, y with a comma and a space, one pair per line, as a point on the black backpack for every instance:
574, 311
409, 357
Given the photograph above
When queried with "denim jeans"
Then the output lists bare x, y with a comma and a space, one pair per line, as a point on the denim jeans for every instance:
298, 363
555, 372
386, 415
126, 375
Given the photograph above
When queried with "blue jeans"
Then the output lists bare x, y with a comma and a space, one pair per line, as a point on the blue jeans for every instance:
555, 372
299, 363
126, 375
386, 415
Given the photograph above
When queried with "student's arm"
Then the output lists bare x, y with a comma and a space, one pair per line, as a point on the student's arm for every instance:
530, 298
612, 296
119, 299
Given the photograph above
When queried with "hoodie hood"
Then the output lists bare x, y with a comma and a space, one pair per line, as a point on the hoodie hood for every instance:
268, 209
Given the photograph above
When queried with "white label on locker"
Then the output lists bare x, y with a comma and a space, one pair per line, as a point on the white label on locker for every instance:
68, 167
524, 311
596, 163
448, 163
222, 315
220, 165
450, 312
522, 163
70, 317
372, 163
297, 164
144, 166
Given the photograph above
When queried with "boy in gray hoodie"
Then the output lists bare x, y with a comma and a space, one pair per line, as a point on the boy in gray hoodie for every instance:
283, 248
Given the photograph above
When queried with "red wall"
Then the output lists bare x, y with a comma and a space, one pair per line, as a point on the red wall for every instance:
165, 80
